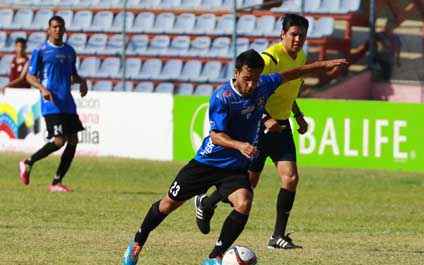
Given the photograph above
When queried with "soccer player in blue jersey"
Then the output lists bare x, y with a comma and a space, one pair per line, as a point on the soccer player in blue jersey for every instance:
52, 70
235, 114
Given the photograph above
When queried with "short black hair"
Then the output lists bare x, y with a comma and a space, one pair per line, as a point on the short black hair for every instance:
58, 19
291, 20
20, 40
251, 59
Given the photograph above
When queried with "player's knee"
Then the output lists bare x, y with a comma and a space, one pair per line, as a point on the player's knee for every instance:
243, 202
290, 181
167, 205
59, 141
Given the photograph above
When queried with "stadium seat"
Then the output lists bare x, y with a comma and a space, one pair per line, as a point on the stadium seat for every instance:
171, 69
96, 43
312, 6
164, 23
305, 48
22, 19
102, 21
264, 26
191, 4
144, 87
158, 45
149, 4
104, 85
35, 39
225, 25
4, 81
78, 41
109, 3
12, 37
6, 18
151, 69
68, 3
5, 63
242, 44
323, 27
170, 4
165, 87
138, 44
203, 90
349, 6
205, 24
289, 6
184, 89
89, 66
184, 23
210, 72
246, 24
259, 45
211, 5
118, 22
329, 6
221, 47
179, 46
41, 19
3, 41
227, 72
133, 4
129, 86
253, 3
132, 67
109, 68
228, 4
67, 15
144, 21
199, 46
191, 68
114, 44
81, 20
311, 25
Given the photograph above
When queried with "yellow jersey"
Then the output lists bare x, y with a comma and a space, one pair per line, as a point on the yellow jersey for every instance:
279, 105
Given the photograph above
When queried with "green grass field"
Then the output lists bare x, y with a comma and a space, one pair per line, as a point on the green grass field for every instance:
340, 216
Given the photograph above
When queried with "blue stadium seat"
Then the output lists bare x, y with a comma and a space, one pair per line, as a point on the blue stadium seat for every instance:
143, 22
102, 21
81, 20
145, 87
224, 25
22, 19
184, 89
210, 72
203, 90
165, 87
191, 4
114, 44
35, 39
264, 26
171, 69
118, 22
6, 18
253, 2
164, 23
312, 6
12, 37
89, 66
132, 67
349, 6
3, 41
67, 15
4, 81
179, 46
109, 68
129, 86
184, 23
158, 45
138, 45
259, 45
5, 63
170, 4
221, 48
228, 4
151, 69
78, 41
205, 24
289, 6
96, 43
103, 85
242, 44
149, 4
311, 25
211, 5
41, 19
190, 69
199, 46
109, 3
246, 24
323, 27
329, 6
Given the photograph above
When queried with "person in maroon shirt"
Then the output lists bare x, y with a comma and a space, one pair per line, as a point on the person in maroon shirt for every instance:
18, 67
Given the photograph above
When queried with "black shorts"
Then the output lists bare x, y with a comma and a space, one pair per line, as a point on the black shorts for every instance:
196, 178
279, 146
62, 124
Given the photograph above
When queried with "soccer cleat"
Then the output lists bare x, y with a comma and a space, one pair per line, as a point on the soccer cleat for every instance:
284, 242
25, 170
203, 214
132, 253
215, 261
59, 188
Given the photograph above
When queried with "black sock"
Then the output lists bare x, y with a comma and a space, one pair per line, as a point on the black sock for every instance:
284, 205
46, 150
212, 200
65, 163
231, 229
152, 219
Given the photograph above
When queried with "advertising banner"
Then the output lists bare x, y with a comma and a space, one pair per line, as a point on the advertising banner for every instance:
136, 125
342, 134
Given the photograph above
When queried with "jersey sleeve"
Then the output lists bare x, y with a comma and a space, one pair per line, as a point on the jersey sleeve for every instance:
271, 82
35, 62
218, 113
270, 65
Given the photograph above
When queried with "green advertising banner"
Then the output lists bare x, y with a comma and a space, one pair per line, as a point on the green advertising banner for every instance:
342, 134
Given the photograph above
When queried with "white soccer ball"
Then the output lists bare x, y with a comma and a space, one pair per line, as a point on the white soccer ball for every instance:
239, 255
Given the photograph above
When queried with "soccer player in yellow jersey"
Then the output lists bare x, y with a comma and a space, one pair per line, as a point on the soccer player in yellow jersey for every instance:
275, 138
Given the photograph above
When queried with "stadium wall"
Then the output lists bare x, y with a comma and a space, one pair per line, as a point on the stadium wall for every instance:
342, 134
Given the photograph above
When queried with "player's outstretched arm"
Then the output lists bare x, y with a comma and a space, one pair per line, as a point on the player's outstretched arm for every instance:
33, 81
224, 140
297, 72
